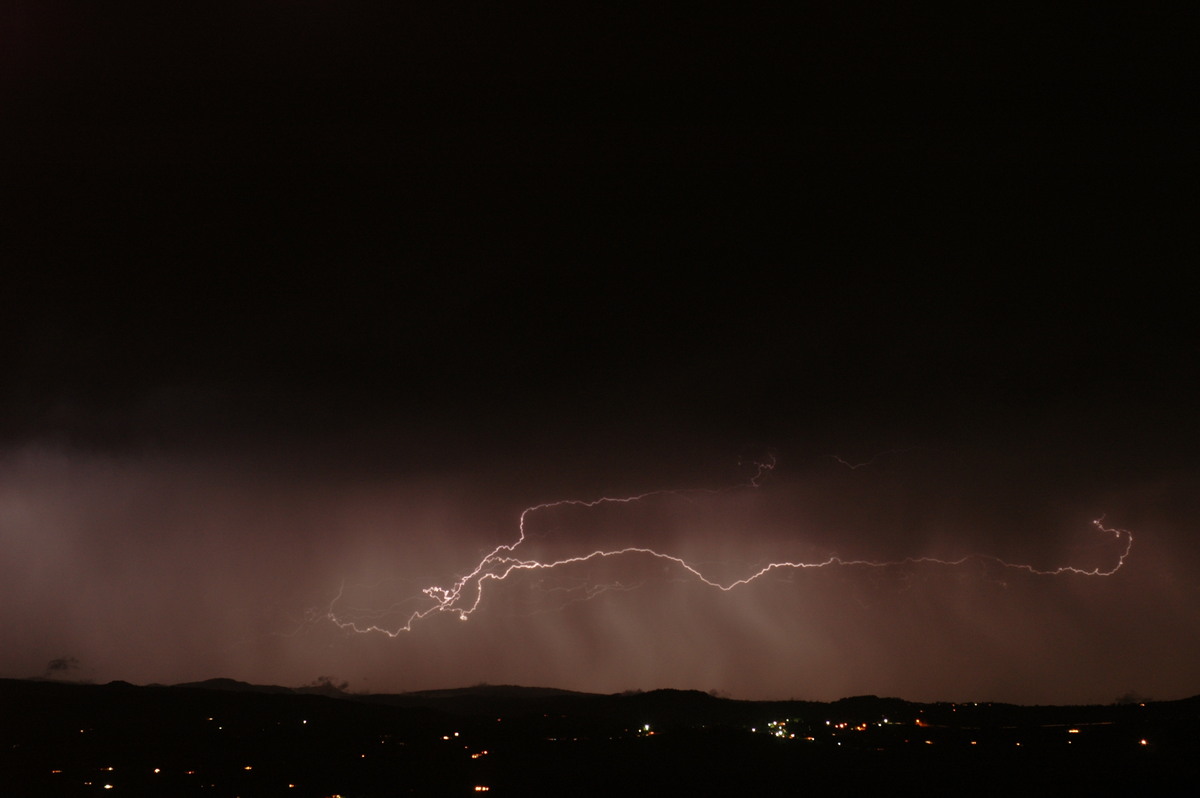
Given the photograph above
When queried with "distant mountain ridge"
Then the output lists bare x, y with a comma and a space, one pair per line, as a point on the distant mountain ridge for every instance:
60, 738
516, 691
486, 691
235, 686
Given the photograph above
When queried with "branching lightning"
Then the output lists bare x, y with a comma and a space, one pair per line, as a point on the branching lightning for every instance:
464, 596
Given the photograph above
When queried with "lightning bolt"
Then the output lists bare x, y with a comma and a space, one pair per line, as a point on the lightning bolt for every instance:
463, 597
872, 460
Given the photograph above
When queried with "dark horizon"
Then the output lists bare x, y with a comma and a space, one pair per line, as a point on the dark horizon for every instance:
75, 740
331, 688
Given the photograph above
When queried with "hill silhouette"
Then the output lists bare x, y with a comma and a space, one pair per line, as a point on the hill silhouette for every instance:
222, 736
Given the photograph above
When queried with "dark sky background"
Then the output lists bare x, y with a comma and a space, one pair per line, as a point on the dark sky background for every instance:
307, 295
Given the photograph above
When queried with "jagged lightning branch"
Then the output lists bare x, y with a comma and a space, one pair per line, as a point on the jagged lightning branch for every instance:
872, 460
464, 596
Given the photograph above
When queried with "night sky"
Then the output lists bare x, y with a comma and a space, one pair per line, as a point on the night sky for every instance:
304, 303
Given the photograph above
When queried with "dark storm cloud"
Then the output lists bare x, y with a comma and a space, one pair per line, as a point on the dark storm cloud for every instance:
306, 297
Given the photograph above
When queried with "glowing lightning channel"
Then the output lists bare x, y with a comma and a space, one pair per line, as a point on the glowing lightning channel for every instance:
464, 596
872, 460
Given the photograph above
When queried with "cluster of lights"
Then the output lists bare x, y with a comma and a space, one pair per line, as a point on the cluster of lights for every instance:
645, 731
776, 728
156, 771
862, 727
780, 730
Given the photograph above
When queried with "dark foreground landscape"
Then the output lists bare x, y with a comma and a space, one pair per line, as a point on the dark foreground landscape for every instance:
226, 738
